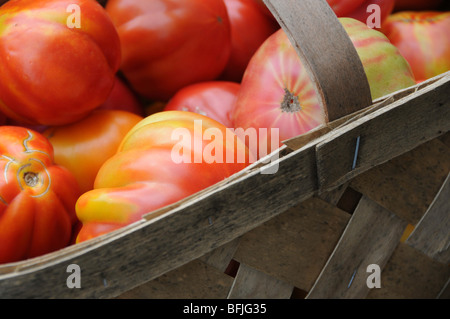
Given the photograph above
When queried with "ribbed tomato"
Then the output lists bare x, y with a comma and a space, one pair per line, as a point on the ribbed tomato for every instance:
168, 44
164, 158
37, 197
54, 71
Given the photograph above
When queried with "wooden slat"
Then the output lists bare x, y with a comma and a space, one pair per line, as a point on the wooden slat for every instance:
253, 284
432, 233
337, 78
295, 245
385, 134
220, 257
407, 185
370, 237
410, 274
194, 280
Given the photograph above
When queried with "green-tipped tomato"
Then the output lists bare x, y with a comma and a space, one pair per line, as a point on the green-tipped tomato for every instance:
276, 91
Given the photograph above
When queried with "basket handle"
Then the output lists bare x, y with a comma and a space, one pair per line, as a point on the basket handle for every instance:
327, 53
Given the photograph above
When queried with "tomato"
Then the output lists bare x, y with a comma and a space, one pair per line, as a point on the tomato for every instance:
423, 39
344, 7
37, 197
249, 29
51, 73
215, 99
406, 5
82, 147
168, 44
263, 8
358, 9
276, 91
122, 98
164, 158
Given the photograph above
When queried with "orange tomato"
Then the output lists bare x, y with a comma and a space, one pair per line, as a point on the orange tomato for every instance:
82, 147
149, 171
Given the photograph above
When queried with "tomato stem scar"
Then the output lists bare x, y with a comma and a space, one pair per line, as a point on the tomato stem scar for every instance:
290, 103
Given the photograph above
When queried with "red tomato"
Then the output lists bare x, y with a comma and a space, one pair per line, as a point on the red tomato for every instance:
358, 9
344, 7
146, 173
168, 44
82, 147
51, 73
215, 99
405, 5
250, 27
422, 37
263, 8
37, 197
122, 98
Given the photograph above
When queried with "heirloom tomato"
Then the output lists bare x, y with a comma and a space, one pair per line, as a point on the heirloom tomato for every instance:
82, 147
56, 65
122, 98
168, 44
263, 8
360, 10
423, 38
37, 197
249, 29
166, 157
277, 92
215, 99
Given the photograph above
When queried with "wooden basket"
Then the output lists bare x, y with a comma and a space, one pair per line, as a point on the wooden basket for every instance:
370, 188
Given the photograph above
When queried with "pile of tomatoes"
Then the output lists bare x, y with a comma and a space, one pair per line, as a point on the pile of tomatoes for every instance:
92, 94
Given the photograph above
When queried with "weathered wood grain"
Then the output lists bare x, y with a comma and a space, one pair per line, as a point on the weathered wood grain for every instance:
410, 274
195, 280
253, 284
220, 257
331, 58
295, 245
385, 134
370, 238
432, 233
406, 185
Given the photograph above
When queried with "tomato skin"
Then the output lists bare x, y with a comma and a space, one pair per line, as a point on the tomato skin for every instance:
168, 44
357, 9
37, 197
122, 98
82, 147
250, 27
51, 74
263, 8
422, 38
143, 176
215, 99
